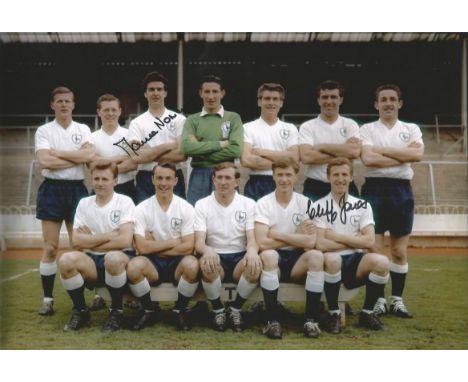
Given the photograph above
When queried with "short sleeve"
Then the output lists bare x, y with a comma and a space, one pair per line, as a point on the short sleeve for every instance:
250, 224
416, 134
128, 211
293, 139
262, 213
41, 140
367, 217
365, 134
200, 217
352, 130
305, 134
79, 220
189, 220
140, 221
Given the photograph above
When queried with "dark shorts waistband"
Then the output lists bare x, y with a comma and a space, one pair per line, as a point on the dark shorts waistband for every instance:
389, 181
63, 181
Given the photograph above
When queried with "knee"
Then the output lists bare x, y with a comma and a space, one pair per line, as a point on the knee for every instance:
135, 269
381, 265
190, 268
332, 262
50, 249
269, 259
314, 260
115, 262
399, 253
67, 263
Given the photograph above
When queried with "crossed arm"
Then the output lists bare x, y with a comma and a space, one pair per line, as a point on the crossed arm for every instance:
171, 247
262, 159
83, 238
376, 156
271, 238
59, 159
330, 241
322, 153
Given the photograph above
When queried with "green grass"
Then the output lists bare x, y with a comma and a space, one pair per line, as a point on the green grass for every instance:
436, 293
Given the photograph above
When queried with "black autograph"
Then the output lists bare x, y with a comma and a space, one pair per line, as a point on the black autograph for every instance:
329, 211
135, 146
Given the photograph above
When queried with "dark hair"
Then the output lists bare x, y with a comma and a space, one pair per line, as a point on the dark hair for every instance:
271, 87
106, 98
153, 77
224, 165
104, 164
61, 90
330, 85
339, 162
168, 165
285, 163
388, 87
212, 78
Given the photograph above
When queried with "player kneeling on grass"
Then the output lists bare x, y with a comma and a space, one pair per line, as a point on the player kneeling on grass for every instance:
345, 226
225, 240
102, 231
286, 238
164, 240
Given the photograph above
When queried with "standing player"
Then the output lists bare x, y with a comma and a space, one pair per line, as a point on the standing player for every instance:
164, 240
104, 139
267, 139
103, 231
213, 136
62, 147
225, 240
389, 146
286, 237
345, 226
154, 136
326, 137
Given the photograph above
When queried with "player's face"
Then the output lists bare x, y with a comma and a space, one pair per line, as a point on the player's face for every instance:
63, 105
285, 179
270, 103
225, 181
329, 102
103, 182
388, 104
340, 177
109, 112
155, 94
164, 180
211, 94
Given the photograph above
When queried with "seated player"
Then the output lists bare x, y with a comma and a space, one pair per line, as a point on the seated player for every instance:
164, 240
102, 233
225, 240
345, 227
286, 238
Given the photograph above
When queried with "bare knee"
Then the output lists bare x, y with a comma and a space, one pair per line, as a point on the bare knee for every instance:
115, 262
68, 264
381, 265
135, 269
314, 261
50, 250
399, 254
332, 262
269, 259
190, 268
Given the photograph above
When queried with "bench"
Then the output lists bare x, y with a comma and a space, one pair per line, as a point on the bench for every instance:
287, 292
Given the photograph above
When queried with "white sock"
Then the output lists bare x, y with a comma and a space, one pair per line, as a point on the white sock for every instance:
48, 269
397, 268
269, 280
332, 278
213, 289
116, 281
185, 288
245, 288
378, 279
73, 282
141, 288
314, 282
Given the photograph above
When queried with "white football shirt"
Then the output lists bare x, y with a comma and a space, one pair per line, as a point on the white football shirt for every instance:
401, 135
168, 127
53, 136
280, 137
317, 131
225, 227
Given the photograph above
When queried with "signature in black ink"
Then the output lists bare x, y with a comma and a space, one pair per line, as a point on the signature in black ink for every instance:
329, 211
135, 146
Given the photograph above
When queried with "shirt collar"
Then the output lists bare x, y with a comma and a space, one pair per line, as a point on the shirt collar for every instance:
220, 112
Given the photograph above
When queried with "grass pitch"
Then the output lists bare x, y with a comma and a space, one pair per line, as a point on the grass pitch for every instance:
436, 293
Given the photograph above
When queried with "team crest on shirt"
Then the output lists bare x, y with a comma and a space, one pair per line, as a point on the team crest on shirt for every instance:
297, 219
171, 126
404, 136
76, 138
115, 216
343, 131
240, 216
284, 133
226, 129
176, 224
354, 220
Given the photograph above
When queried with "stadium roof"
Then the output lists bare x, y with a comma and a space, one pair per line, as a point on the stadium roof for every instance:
131, 37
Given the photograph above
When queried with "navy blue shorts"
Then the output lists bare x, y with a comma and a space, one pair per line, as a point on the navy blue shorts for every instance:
200, 184
57, 199
229, 261
258, 186
101, 271
127, 188
287, 260
349, 266
165, 267
145, 187
392, 204
316, 189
